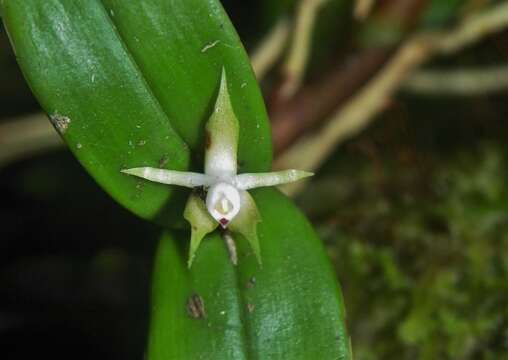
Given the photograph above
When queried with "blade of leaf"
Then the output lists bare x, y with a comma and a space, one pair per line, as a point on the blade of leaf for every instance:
292, 308
87, 70
297, 306
182, 46
184, 328
96, 95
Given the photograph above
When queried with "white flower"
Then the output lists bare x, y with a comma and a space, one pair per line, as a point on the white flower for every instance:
227, 202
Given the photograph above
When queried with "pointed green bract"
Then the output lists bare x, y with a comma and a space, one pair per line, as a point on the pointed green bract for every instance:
201, 223
245, 223
222, 131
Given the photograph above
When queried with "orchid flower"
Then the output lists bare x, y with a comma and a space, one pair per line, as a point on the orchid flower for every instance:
227, 204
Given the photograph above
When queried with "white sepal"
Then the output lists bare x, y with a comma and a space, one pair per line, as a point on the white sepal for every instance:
251, 181
171, 177
221, 141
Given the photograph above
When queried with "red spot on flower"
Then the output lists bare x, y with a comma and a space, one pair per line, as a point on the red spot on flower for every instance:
223, 222
208, 140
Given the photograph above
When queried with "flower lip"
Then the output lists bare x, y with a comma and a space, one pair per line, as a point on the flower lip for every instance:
223, 202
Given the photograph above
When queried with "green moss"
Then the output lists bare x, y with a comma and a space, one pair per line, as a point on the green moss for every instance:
422, 255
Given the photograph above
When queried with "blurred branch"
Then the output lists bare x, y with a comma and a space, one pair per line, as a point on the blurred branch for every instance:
473, 29
462, 82
294, 67
311, 151
314, 103
23, 137
271, 48
359, 112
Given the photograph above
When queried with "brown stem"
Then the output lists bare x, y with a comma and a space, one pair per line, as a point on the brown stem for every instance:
312, 104
304, 110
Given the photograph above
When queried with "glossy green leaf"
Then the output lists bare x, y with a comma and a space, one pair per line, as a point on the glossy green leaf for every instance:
290, 308
131, 84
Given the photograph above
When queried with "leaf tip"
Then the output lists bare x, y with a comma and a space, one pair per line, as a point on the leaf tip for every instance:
305, 174
223, 96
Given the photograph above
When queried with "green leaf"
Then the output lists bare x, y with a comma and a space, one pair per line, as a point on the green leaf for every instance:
289, 309
131, 84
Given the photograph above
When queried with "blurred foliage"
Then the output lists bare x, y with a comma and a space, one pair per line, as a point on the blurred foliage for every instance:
14, 92
332, 33
419, 238
440, 13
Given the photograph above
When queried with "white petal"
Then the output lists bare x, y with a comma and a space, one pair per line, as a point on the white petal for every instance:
255, 180
223, 203
221, 143
171, 177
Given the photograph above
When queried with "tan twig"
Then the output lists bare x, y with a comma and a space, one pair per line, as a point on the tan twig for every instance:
461, 82
356, 115
473, 29
231, 246
317, 100
363, 8
294, 67
21, 138
270, 50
